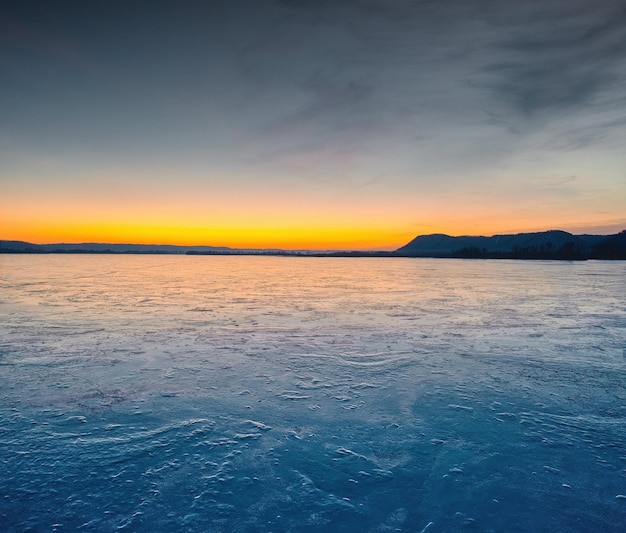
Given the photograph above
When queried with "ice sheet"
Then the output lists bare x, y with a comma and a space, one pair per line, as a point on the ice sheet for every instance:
186, 393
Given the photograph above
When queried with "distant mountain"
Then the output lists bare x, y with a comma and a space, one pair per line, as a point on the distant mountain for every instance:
95, 247
554, 244
19, 247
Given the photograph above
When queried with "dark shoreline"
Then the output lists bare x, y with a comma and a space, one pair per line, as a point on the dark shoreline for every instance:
361, 255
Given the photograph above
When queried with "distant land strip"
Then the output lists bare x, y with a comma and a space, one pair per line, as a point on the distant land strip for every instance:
553, 244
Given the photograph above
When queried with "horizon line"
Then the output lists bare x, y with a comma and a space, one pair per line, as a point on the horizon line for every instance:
287, 249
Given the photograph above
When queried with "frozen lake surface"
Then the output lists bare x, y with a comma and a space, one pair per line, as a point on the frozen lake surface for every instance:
258, 394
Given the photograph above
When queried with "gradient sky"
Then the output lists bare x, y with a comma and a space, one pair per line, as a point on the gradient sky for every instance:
310, 123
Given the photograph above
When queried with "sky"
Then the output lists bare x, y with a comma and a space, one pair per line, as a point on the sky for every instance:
316, 124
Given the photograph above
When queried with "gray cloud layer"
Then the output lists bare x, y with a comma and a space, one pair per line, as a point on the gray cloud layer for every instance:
402, 89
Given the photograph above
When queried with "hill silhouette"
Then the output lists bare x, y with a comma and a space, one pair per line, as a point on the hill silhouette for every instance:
106, 248
553, 244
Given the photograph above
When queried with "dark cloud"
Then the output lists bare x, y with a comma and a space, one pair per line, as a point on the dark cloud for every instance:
436, 84
518, 63
562, 60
